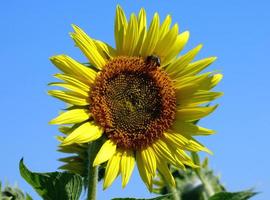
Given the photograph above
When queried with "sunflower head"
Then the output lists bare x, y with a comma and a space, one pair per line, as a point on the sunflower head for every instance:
134, 101
140, 95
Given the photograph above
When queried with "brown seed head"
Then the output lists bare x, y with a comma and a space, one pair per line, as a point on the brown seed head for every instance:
134, 101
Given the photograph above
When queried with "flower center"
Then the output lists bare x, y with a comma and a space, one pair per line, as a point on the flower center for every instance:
134, 101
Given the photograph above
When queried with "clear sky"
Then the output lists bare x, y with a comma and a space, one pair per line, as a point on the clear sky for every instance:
236, 31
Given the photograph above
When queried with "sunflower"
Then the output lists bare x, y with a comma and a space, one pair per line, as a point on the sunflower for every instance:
141, 96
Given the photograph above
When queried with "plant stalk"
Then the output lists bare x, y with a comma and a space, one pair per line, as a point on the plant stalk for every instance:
171, 189
92, 171
175, 193
207, 187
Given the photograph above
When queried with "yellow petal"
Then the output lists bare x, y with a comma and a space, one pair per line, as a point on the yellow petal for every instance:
144, 173
149, 159
179, 44
88, 47
183, 91
86, 132
188, 128
164, 170
215, 80
186, 86
179, 139
112, 170
211, 81
204, 81
71, 67
196, 146
195, 98
195, 113
60, 138
190, 143
151, 37
196, 80
70, 87
175, 68
105, 152
72, 117
165, 27
142, 26
70, 97
120, 26
73, 81
131, 37
184, 158
127, 166
173, 144
142, 21
196, 67
164, 45
178, 151
104, 49
163, 152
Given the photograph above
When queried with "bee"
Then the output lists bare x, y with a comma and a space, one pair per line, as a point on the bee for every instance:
153, 61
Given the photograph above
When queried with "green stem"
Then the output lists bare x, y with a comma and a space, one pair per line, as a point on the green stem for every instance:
92, 171
207, 187
174, 192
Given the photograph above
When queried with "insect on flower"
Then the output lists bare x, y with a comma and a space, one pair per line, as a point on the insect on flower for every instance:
153, 61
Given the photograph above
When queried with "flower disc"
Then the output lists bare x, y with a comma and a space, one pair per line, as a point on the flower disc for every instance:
134, 101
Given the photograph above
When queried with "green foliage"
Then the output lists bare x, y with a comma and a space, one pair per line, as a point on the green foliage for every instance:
78, 154
194, 195
163, 197
79, 160
53, 185
190, 185
12, 193
244, 195
198, 184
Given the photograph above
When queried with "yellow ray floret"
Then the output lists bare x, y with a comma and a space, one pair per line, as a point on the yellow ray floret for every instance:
105, 153
88, 47
148, 157
72, 117
70, 97
71, 67
112, 169
86, 132
127, 166
194, 113
70, 87
73, 81
151, 38
145, 174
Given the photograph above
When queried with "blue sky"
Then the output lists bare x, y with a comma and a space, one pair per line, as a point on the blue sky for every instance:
237, 32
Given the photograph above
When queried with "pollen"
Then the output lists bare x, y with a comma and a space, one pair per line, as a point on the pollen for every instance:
134, 101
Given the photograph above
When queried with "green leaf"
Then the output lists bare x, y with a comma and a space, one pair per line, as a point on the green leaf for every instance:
192, 192
12, 193
243, 195
28, 197
53, 185
163, 197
